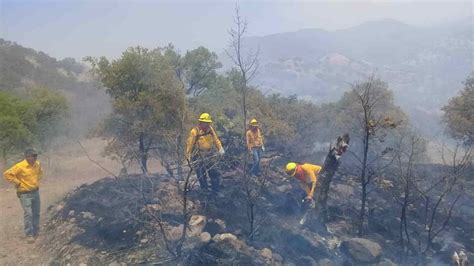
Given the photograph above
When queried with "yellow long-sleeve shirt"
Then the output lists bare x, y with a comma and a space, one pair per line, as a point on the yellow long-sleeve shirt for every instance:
203, 141
254, 138
307, 174
24, 176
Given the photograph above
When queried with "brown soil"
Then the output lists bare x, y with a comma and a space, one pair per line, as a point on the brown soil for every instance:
64, 171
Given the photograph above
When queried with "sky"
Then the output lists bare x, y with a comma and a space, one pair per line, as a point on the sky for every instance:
106, 28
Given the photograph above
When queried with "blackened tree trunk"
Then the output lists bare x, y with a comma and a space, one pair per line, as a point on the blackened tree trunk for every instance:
330, 167
143, 153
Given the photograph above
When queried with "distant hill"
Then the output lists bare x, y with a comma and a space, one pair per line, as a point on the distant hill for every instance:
423, 66
21, 68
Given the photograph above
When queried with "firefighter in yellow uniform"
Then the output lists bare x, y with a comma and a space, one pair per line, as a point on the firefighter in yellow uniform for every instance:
255, 145
26, 176
307, 174
201, 145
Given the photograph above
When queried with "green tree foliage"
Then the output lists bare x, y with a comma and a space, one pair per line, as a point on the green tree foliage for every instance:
22, 68
47, 109
290, 125
32, 119
148, 102
198, 70
459, 113
14, 135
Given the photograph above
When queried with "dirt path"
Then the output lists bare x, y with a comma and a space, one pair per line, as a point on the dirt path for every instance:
65, 171
13, 248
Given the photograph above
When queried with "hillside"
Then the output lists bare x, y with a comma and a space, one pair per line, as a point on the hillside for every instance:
423, 66
22, 68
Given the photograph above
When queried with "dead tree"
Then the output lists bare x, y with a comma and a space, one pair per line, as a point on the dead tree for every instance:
433, 197
438, 207
246, 63
409, 150
329, 169
366, 110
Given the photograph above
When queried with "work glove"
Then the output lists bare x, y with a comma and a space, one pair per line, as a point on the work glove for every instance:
263, 148
221, 152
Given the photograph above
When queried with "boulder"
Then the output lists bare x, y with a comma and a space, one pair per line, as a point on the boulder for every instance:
339, 228
205, 237
222, 237
175, 232
227, 249
266, 253
196, 225
333, 243
362, 250
88, 215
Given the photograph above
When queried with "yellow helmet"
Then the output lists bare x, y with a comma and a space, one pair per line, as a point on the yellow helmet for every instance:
253, 122
291, 169
205, 117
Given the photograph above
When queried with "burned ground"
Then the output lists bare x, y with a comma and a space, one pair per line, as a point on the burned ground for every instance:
107, 222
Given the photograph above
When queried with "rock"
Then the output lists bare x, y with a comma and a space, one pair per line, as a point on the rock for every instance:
338, 228
153, 207
362, 250
222, 237
114, 263
175, 232
386, 262
283, 188
333, 243
325, 262
205, 237
196, 225
71, 213
277, 258
88, 215
59, 207
228, 250
144, 241
221, 223
266, 253
228, 236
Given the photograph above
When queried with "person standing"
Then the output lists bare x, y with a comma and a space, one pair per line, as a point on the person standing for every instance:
255, 145
26, 176
201, 145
